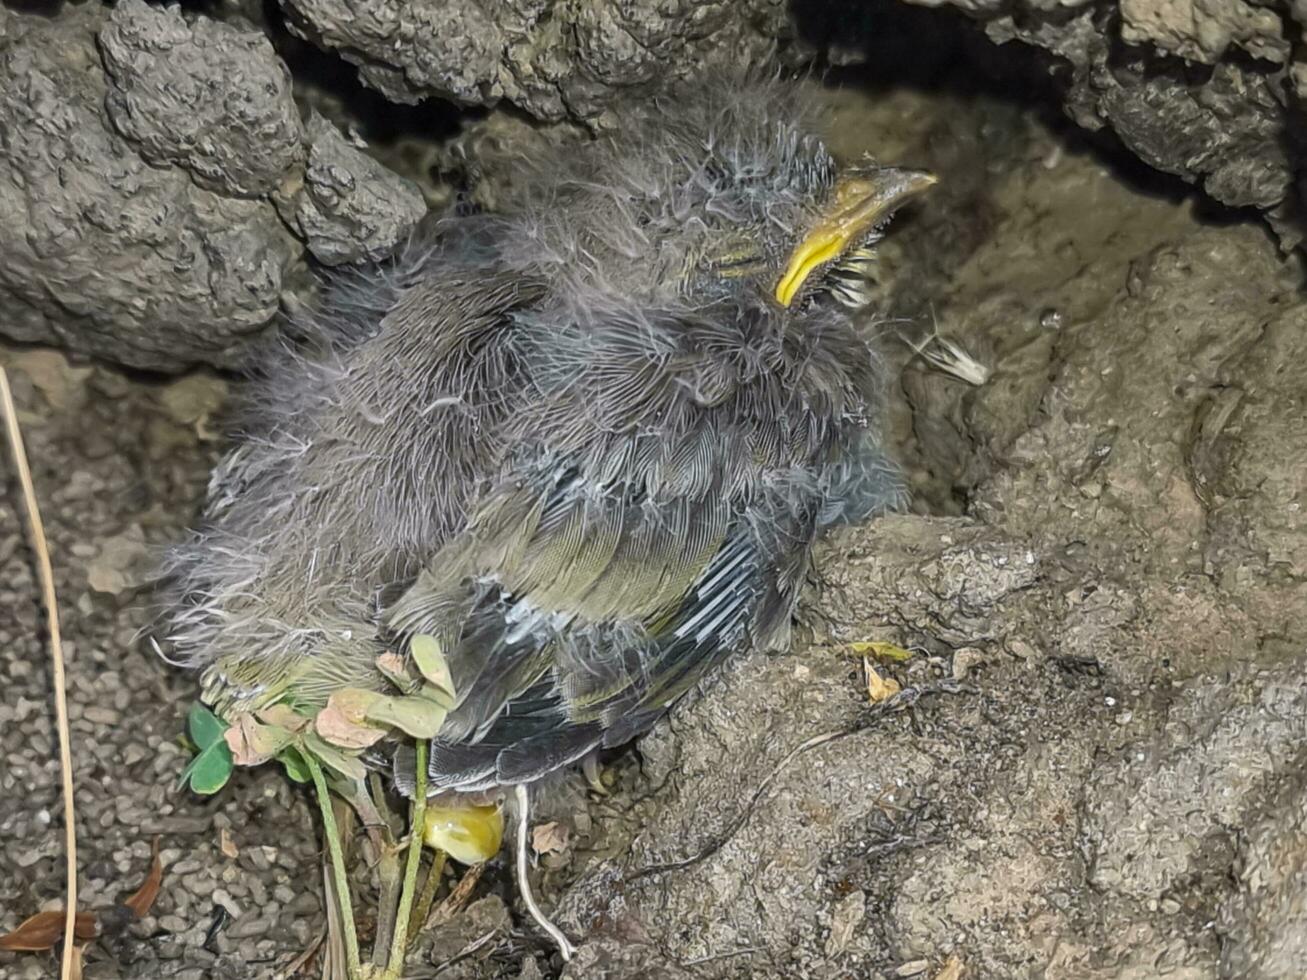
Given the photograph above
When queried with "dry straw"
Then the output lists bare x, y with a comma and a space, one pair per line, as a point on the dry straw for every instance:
68, 969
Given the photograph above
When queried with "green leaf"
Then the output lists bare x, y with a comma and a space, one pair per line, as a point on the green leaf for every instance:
204, 726
296, 768
209, 771
332, 757
441, 698
416, 716
430, 660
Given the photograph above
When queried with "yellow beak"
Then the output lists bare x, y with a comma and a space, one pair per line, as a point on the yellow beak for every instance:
860, 203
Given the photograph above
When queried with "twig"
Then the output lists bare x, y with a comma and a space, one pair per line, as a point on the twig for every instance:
458, 897
301, 960
333, 962
399, 942
339, 875
479, 943
46, 574
388, 874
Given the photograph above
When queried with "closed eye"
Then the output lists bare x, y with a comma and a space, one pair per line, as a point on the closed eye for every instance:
738, 268
736, 257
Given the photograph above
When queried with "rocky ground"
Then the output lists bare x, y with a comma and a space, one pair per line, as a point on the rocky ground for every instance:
1097, 768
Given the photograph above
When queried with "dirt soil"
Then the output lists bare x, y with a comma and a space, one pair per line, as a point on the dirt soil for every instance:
1097, 767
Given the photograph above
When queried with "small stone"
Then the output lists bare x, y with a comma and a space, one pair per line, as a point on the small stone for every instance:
173, 923
102, 716
251, 927
221, 897
1020, 648
26, 858
965, 660
304, 904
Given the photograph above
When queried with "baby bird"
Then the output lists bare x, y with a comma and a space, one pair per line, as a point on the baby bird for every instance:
584, 445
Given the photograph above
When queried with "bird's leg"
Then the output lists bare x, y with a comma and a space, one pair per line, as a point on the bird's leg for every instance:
339, 875
399, 942
523, 882
389, 874
429, 887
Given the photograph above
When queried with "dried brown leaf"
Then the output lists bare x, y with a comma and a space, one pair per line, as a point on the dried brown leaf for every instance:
283, 716
227, 845
341, 721
43, 930
550, 838
253, 744
879, 688
141, 900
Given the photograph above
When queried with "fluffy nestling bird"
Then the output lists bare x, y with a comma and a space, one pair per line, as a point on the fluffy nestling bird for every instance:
585, 444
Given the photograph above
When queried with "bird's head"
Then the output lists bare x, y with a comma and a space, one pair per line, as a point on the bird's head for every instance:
719, 195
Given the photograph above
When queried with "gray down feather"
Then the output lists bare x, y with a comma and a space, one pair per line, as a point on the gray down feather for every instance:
578, 442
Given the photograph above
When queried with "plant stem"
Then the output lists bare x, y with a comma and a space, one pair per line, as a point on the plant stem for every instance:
399, 943
337, 867
429, 887
389, 874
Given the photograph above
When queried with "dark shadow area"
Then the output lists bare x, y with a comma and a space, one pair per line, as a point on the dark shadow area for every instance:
35, 8
885, 45
377, 119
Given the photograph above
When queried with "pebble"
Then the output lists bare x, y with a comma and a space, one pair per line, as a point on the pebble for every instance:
221, 897
200, 883
178, 825
250, 927
260, 858
306, 903
258, 892
26, 858
102, 716
173, 923
965, 660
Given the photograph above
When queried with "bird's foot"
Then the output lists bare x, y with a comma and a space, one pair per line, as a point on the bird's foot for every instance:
594, 773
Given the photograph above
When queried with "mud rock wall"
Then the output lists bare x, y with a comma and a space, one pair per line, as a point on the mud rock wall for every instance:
163, 188
551, 60
1207, 91
145, 161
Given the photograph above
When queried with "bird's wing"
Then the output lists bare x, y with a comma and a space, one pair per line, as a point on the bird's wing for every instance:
629, 545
